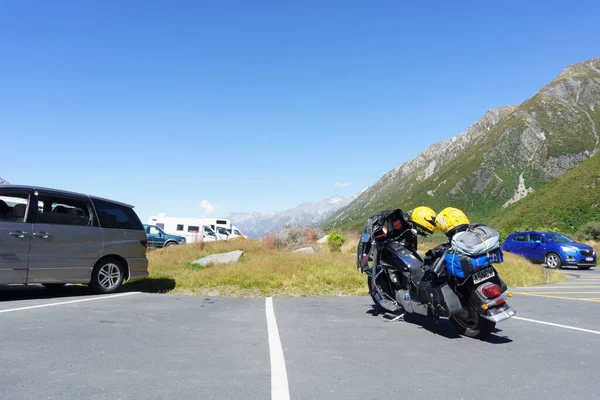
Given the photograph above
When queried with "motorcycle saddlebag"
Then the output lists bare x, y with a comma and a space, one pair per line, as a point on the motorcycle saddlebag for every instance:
380, 226
462, 265
444, 300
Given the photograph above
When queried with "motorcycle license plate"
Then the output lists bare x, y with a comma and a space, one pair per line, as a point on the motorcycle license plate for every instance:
589, 259
483, 275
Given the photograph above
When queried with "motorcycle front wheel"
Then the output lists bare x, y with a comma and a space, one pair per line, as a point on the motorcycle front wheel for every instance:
469, 323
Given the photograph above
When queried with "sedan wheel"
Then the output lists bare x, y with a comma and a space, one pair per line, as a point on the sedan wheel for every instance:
553, 261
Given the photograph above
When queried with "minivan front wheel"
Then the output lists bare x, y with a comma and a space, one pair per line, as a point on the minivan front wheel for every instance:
107, 276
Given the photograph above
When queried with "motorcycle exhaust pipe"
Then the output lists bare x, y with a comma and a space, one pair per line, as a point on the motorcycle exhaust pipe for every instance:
410, 305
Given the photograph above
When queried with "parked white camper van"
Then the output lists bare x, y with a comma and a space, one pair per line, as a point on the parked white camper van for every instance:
194, 229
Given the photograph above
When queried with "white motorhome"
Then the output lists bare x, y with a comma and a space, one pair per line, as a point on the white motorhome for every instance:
193, 229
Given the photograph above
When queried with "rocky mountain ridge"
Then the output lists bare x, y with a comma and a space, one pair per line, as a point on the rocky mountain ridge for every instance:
506, 155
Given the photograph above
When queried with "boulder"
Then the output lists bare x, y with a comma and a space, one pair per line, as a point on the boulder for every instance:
323, 240
223, 258
305, 250
349, 247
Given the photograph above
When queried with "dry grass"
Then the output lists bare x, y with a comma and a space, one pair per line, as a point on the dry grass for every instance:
261, 272
517, 271
265, 271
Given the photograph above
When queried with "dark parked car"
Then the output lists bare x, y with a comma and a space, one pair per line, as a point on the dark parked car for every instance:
553, 249
159, 238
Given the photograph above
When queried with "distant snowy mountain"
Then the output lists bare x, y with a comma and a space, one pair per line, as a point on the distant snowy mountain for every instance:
3, 182
255, 224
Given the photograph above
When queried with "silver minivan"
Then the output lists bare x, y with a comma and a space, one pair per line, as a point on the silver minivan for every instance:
55, 237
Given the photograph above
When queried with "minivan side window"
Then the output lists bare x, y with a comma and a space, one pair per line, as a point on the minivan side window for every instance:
208, 231
116, 216
13, 206
59, 210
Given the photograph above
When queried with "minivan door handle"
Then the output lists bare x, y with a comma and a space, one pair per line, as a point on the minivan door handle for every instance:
19, 234
42, 235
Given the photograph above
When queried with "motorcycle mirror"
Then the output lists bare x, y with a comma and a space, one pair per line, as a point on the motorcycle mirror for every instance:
365, 238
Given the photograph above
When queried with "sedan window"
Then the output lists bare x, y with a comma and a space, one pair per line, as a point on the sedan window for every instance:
534, 237
519, 238
558, 238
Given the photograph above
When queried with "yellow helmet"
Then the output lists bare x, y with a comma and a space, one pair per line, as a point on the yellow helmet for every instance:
424, 217
450, 218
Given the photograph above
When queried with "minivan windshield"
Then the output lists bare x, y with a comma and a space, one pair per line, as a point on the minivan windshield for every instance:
558, 238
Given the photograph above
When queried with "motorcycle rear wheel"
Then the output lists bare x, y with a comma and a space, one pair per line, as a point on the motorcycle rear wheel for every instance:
469, 323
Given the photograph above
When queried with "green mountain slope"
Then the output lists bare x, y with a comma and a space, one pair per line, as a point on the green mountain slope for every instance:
565, 204
505, 156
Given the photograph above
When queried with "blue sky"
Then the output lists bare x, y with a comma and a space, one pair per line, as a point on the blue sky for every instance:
259, 105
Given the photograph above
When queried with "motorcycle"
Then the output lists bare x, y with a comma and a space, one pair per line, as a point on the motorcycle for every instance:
400, 281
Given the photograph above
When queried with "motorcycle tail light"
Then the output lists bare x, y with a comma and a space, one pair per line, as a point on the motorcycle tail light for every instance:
491, 291
500, 300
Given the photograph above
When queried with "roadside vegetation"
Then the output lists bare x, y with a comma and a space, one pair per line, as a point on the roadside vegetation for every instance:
262, 271
589, 232
271, 268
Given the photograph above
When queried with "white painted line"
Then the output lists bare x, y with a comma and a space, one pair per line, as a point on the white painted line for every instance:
279, 381
558, 325
68, 302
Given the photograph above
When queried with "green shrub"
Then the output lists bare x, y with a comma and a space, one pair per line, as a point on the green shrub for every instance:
335, 241
590, 231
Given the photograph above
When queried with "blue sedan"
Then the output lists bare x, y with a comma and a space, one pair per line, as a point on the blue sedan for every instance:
553, 249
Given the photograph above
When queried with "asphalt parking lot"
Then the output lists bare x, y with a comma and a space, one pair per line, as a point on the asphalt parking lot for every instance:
138, 345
